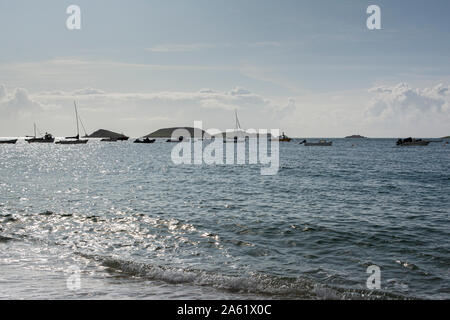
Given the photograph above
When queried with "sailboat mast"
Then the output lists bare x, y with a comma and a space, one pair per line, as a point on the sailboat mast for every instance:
238, 125
76, 115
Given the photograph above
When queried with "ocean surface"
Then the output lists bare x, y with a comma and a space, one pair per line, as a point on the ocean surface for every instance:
121, 221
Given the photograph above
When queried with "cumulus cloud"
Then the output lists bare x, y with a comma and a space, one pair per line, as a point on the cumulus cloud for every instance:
288, 110
19, 102
402, 109
401, 100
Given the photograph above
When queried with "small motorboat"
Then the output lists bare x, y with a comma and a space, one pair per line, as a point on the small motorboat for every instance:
412, 142
145, 140
321, 143
109, 139
284, 138
13, 141
179, 139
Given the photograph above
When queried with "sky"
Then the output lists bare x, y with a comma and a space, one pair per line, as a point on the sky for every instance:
308, 68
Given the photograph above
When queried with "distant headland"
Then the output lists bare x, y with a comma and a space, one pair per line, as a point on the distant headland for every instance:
355, 136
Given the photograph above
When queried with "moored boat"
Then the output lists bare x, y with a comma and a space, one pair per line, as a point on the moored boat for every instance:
284, 138
47, 138
412, 142
76, 139
321, 143
172, 140
145, 140
109, 140
12, 141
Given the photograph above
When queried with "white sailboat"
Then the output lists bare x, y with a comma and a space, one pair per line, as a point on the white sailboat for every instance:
238, 134
76, 139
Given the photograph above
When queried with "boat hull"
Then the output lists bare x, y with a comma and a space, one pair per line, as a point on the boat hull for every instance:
8, 141
414, 143
144, 141
312, 144
38, 140
72, 142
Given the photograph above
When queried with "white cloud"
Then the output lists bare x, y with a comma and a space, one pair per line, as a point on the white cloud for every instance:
18, 102
88, 91
402, 99
3, 91
401, 108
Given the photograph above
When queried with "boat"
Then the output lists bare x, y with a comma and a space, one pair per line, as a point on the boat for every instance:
412, 142
109, 140
284, 138
174, 140
321, 143
13, 141
47, 138
238, 135
76, 139
145, 140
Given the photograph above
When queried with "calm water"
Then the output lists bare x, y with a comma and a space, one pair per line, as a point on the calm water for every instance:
138, 226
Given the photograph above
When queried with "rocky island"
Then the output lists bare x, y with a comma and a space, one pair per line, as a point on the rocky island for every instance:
102, 133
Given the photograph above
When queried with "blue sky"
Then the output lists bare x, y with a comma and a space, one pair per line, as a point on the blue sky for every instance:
311, 68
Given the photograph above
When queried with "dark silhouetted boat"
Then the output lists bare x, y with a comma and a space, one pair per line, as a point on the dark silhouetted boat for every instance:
76, 139
284, 138
47, 138
145, 140
321, 143
109, 140
412, 142
13, 141
179, 139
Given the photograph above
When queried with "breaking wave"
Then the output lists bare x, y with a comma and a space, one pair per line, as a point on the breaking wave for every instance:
264, 285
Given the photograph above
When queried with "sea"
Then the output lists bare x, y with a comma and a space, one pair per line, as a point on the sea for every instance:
362, 219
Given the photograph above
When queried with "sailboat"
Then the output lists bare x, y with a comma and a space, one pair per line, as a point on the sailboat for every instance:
76, 139
238, 135
47, 138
